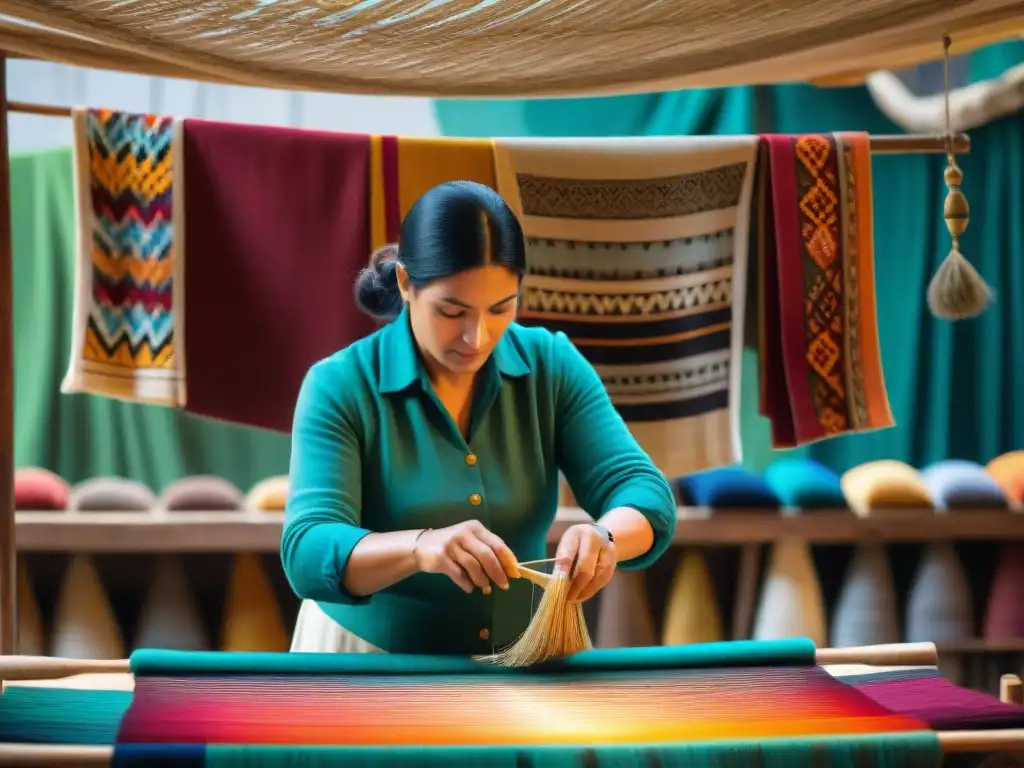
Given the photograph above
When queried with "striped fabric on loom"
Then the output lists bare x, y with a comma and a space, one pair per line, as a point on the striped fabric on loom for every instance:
636, 249
821, 369
621, 718
403, 168
126, 337
923, 694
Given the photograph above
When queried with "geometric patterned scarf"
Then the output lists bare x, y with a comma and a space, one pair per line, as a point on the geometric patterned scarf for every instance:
637, 251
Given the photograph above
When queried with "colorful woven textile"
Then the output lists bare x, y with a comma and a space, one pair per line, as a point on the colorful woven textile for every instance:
636, 249
126, 341
403, 168
923, 694
821, 371
619, 707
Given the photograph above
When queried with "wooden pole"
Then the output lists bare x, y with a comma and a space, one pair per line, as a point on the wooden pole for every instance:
897, 144
8, 555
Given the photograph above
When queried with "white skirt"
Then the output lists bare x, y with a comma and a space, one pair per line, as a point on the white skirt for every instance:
316, 632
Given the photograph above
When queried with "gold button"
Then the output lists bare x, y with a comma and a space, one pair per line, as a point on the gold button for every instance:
471, 459
484, 634
475, 499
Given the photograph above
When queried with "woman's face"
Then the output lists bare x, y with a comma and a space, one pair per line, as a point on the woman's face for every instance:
458, 320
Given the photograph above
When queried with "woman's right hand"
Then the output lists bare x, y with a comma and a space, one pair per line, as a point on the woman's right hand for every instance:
468, 554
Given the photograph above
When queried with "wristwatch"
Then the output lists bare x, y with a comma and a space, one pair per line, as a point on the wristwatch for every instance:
604, 532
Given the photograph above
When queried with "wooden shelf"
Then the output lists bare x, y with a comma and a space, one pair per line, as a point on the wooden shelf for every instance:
261, 531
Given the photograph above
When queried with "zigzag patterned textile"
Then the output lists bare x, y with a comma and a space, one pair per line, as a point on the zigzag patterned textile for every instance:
821, 369
636, 249
126, 341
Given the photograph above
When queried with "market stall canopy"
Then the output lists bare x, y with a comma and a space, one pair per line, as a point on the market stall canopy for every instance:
503, 48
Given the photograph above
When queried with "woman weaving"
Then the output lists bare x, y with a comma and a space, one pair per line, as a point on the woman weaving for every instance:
425, 457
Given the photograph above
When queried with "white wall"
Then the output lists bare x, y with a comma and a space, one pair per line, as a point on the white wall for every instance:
60, 85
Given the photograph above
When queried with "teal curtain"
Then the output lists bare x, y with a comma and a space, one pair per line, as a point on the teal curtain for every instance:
953, 386
81, 436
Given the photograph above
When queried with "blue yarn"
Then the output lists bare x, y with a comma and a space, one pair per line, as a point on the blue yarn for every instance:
727, 488
805, 484
957, 484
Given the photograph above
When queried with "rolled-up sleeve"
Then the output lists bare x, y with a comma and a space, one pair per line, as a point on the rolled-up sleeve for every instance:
600, 458
322, 519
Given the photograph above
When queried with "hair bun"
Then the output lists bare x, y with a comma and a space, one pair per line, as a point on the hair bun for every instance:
377, 291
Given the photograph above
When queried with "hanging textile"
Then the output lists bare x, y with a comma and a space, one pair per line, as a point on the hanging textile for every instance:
953, 387
821, 370
128, 303
83, 436
273, 249
404, 168
636, 250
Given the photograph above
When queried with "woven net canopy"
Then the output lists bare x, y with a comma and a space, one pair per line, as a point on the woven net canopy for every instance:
503, 48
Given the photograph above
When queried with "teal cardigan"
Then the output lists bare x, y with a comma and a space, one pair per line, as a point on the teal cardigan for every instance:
373, 450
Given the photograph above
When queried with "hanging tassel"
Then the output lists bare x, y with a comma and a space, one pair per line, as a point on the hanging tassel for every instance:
556, 630
957, 291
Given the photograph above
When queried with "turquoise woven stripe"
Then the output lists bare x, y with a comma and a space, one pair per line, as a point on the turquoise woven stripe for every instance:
906, 750
61, 715
753, 653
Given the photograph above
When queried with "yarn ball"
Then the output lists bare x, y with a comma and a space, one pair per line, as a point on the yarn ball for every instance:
112, 494
37, 489
202, 493
956, 484
805, 484
885, 484
727, 488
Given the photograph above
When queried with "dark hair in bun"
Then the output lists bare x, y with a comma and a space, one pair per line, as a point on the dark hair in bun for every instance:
377, 285
455, 226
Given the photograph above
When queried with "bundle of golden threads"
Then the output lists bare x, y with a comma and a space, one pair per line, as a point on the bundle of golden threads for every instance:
557, 629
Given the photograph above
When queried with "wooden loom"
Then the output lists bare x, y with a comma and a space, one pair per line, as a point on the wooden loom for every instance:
98, 674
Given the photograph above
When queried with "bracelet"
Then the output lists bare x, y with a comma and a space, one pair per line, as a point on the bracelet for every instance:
416, 541
604, 532
416, 547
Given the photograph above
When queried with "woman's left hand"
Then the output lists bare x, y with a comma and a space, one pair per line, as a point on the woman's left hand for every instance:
594, 558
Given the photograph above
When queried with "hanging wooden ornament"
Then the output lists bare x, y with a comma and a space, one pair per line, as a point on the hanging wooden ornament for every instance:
957, 291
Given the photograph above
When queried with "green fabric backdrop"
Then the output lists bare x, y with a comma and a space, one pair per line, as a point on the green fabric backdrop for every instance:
81, 436
954, 387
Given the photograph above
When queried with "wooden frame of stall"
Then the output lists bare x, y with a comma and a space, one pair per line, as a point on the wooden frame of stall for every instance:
116, 674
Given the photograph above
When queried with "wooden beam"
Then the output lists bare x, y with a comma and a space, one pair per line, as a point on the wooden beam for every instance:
8, 551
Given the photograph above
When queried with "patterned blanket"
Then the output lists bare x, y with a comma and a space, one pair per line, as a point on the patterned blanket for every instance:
636, 249
128, 302
821, 369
